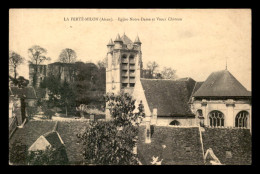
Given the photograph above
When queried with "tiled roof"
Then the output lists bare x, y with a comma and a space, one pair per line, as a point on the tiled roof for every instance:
53, 139
27, 92
175, 145
181, 146
222, 84
196, 87
235, 141
31, 131
126, 40
170, 97
67, 130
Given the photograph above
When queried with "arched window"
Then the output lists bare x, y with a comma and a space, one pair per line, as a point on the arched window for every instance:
216, 118
175, 122
241, 119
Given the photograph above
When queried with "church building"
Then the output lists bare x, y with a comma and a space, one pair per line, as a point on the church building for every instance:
220, 101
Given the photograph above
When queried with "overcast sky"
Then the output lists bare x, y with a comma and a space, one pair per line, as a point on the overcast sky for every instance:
195, 43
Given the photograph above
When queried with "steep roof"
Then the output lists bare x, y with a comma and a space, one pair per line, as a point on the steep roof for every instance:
27, 92
126, 40
170, 97
176, 146
137, 40
54, 139
222, 84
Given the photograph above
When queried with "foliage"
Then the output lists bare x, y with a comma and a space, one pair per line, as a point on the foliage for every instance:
49, 156
18, 153
67, 55
105, 145
122, 108
31, 111
37, 55
48, 113
46, 108
152, 66
14, 61
61, 94
169, 73
21, 82
112, 142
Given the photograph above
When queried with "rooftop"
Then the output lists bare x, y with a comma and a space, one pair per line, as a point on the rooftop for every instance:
170, 97
222, 84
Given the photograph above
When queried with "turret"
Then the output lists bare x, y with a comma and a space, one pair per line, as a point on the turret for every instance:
110, 46
118, 42
137, 43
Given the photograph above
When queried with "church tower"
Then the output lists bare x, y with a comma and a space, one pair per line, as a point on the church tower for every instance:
124, 65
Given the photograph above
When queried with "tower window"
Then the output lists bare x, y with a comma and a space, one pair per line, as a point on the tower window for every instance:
132, 85
124, 85
131, 56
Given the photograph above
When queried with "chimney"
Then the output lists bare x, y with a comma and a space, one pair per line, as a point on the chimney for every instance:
148, 130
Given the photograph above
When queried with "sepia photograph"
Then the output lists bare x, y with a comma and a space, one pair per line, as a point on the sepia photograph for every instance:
130, 86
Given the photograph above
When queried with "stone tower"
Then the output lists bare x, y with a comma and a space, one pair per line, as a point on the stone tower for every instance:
124, 64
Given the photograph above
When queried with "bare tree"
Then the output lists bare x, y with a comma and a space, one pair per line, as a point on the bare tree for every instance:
14, 61
101, 63
168, 73
67, 55
152, 66
37, 55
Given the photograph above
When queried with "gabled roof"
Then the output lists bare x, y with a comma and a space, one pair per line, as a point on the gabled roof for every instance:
170, 97
27, 92
54, 139
222, 84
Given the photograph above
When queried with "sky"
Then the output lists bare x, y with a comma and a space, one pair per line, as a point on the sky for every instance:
194, 42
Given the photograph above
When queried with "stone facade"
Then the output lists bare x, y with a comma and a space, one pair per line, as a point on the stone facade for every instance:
64, 71
124, 64
229, 107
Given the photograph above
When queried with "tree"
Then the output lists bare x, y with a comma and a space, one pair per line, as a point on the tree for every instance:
67, 55
22, 82
168, 73
49, 156
152, 66
112, 142
14, 61
37, 56
60, 93
101, 64
18, 153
